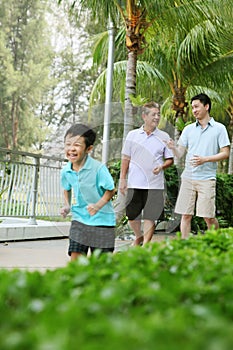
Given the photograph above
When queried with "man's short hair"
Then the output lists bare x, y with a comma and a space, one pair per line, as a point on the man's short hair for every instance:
205, 100
149, 105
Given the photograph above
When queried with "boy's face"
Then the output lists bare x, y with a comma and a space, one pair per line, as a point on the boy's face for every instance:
75, 148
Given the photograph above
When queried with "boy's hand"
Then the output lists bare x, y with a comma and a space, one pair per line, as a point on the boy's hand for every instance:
65, 211
92, 209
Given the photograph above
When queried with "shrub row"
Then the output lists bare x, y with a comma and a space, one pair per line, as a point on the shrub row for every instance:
176, 294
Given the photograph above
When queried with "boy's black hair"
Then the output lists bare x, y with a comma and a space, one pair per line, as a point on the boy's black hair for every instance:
82, 130
205, 100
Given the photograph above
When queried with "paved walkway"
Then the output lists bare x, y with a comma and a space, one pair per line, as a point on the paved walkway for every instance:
39, 254
46, 254
34, 255
21, 250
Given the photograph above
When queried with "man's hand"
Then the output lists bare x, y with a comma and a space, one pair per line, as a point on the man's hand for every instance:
178, 151
157, 170
170, 144
123, 186
197, 160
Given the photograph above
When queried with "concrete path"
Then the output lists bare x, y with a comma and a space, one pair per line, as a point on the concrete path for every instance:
42, 255
34, 255
43, 246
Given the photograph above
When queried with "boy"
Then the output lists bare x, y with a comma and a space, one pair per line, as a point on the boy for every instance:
93, 217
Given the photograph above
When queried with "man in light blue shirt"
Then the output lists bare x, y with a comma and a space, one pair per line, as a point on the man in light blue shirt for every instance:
206, 142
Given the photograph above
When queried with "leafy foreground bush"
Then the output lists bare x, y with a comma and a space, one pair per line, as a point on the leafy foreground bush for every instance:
176, 294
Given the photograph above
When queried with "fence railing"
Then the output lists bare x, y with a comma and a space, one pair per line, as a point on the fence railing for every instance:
30, 185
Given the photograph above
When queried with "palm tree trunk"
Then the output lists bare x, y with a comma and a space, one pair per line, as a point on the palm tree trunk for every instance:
177, 161
179, 105
130, 89
230, 166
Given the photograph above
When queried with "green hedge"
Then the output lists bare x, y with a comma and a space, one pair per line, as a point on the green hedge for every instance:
224, 199
172, 295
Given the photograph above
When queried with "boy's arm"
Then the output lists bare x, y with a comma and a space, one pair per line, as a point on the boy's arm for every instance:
66, 209
93, 208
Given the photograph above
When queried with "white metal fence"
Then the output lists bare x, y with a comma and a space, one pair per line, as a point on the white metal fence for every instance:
30, 184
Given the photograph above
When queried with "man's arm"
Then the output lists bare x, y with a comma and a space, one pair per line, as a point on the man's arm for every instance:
178, 151
167, 162
123, 174
224, 153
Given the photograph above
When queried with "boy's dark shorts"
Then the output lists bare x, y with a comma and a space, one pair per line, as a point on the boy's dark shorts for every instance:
76, 247
84, 236
151, 202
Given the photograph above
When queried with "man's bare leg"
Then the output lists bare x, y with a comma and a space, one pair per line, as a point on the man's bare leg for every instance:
212, 222
185, 226
136, 227
149, 230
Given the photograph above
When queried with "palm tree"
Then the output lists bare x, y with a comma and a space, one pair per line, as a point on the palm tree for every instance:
137, 17
183, 42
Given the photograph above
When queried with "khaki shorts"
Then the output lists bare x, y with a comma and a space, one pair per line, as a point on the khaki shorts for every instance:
197, 192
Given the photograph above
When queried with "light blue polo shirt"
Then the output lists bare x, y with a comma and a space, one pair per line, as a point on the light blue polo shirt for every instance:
203, 142
88, 185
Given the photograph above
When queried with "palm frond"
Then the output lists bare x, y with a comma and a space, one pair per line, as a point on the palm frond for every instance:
100, 48
101, 10
145, 72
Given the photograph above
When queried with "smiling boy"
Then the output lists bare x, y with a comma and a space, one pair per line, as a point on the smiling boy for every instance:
88, 189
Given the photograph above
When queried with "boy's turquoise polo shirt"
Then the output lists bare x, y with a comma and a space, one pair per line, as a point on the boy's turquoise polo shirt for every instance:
203, 142
88, 185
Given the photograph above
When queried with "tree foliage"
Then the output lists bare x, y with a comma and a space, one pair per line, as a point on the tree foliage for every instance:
46, 71
25, 61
